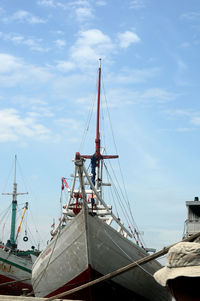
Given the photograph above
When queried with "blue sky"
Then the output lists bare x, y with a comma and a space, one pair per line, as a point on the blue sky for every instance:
49, 51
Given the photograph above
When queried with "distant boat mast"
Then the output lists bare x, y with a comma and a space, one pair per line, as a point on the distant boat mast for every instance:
12, 243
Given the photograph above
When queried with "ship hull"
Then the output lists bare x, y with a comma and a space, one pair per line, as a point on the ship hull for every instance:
87, 248
107, 290
14, 268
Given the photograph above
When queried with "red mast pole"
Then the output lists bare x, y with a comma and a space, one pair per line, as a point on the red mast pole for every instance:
97, 154
97, 140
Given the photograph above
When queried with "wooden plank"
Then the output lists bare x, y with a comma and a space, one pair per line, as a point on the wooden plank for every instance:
25, 298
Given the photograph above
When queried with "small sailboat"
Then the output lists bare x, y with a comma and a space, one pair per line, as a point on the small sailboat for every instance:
15, 265
91, 241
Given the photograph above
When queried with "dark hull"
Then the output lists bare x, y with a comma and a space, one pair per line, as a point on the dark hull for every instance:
14, 289
107, 290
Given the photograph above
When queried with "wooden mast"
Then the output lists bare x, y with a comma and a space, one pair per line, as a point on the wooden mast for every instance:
97, 140
97, 153
12, 243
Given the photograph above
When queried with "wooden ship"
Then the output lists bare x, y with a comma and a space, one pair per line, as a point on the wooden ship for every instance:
91, 241
15, 265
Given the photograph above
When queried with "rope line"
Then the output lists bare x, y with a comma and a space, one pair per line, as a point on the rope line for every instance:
43, 272
131, 259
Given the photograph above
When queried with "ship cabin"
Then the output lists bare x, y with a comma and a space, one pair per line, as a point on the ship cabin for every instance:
192, 223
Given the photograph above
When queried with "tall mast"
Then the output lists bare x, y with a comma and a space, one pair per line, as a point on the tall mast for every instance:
97, 140
12, 242
14, 208
97, 157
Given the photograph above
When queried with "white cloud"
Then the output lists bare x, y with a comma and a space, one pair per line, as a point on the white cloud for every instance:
184, 130
53, 4
178, 112
181, 75
90, 46
127, 38
150, 96
128, 76
17, 39
191, 16
158, 95
118, 97
39, 73
81, 9
68, 123
60, 43
185, 45
60, 32
93, 37
50, 3
24, 16
13, 127
40, 111
137, 4
195, 120
83, 13
14, 71
181, 65
2, 11
190, 116
101, 3
33, 102
64, 66
33, 44
9, 63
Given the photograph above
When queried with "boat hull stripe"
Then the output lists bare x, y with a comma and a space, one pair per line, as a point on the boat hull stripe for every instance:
15, 265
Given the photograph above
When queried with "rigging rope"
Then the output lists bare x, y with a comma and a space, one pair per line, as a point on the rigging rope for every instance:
88, 120
7, 181
123, 209
131, 259
36, 230
3, 220
126, 199
4, 213
112, 196
42, 272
